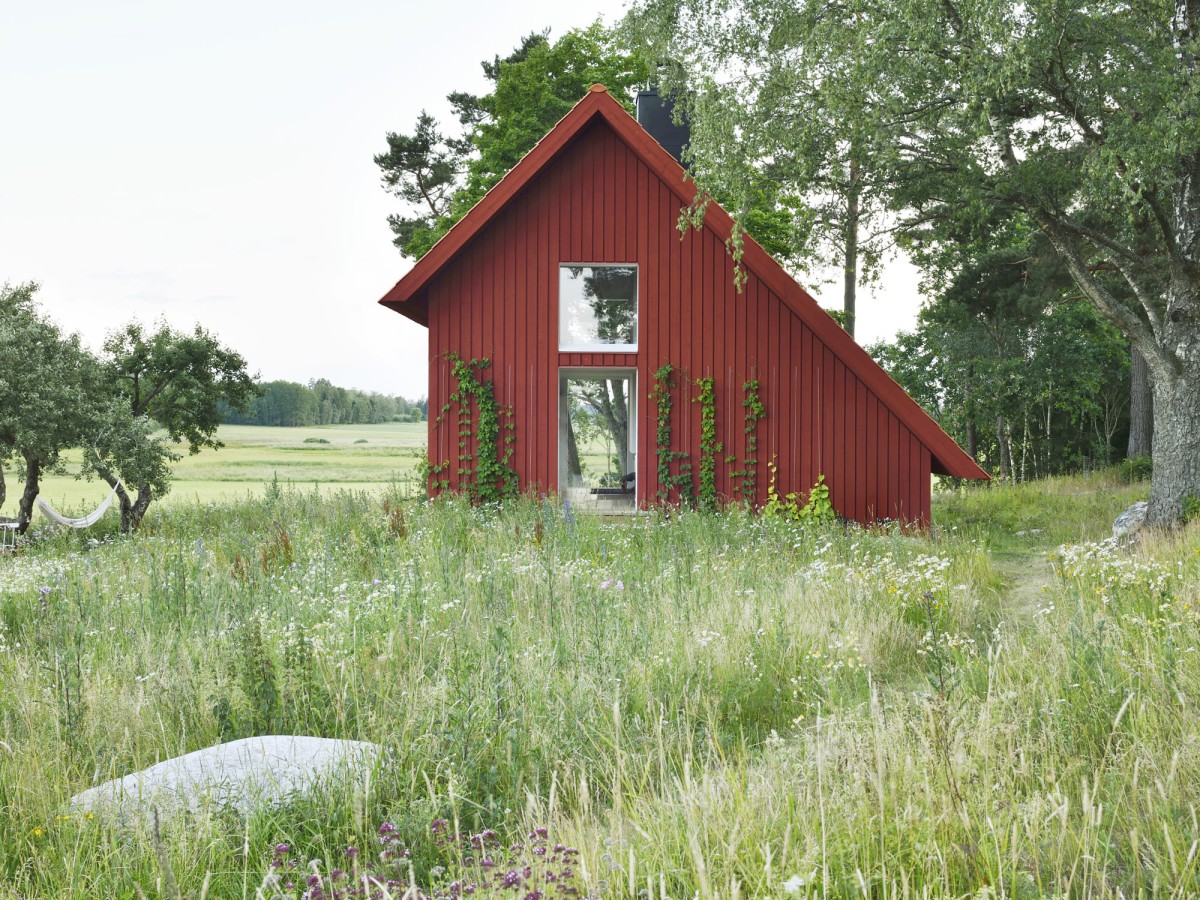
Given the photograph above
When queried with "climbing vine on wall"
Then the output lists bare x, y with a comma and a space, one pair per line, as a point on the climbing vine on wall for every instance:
709, 445
485, 473
664, 403
433, 474
745, 479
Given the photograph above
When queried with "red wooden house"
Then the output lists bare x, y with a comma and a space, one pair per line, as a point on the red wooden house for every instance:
572, 279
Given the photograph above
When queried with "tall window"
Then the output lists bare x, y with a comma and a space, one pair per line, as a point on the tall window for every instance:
597, 308
597, 437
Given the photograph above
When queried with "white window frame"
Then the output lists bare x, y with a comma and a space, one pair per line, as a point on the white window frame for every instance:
637, 309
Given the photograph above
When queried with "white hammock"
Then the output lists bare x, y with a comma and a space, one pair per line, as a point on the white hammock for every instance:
86, 521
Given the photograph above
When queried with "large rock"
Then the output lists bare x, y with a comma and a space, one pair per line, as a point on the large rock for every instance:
242, 774
1130, 522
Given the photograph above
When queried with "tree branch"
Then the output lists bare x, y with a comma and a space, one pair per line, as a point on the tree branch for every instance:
953, 16
1140, 333
1164, 366
1143, 298
1101, 240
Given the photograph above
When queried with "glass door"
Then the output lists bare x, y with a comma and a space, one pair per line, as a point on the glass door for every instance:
597, 438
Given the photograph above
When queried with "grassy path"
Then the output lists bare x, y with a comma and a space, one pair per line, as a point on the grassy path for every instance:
1026, 579
1022, 524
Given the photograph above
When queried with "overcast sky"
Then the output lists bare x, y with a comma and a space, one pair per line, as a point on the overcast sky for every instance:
212, 162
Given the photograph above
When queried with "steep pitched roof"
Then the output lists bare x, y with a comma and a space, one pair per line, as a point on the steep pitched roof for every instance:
408, 295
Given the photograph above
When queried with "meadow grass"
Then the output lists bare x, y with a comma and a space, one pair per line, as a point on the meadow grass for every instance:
351, 457
717, 705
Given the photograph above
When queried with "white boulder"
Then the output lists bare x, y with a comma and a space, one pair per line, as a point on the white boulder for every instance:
244, 775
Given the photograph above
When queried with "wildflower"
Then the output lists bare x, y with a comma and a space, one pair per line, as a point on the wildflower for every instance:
38, 832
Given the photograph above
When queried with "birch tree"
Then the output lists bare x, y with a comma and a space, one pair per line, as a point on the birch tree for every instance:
1082, 116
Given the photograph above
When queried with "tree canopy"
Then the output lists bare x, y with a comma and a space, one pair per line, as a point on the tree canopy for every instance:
320, 402
181, 381
48, 383
1027, 376
440, 176
125, 408
1082, 117
806, 185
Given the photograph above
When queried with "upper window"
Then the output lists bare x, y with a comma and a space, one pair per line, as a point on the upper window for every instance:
597, 308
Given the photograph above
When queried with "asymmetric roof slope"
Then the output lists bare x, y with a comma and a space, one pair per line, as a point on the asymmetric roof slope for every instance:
407, 296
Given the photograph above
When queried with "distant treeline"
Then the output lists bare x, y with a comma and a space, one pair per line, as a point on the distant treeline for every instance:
290, 404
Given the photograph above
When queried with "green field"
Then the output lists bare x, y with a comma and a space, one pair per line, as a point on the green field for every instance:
253, 456
716, 706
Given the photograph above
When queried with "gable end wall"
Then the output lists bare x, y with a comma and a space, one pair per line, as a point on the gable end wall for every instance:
597, 202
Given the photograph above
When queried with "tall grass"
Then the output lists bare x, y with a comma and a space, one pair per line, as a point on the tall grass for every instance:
722, 705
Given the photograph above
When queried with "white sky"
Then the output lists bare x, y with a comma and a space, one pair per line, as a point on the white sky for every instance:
212, 162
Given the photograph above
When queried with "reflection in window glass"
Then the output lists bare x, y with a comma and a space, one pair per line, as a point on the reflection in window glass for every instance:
597, 307
597, 438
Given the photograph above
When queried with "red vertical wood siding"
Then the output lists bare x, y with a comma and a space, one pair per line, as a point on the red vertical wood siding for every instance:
598, 203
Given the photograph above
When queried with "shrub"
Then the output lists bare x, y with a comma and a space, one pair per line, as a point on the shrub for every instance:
1138, 468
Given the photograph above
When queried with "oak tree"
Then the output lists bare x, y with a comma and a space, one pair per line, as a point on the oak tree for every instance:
181, 382
47, 384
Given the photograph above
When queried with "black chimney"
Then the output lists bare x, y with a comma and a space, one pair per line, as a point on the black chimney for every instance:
654, 114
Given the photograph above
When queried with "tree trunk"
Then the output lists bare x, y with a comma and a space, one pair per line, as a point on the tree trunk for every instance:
850, 268
132, 511
1175, 482
1008, 438
573, 467
614, 408
3, 488
1049, 467
1005, 459
973, 440
140, 505
1025, 446
1141, 407
33, 474
126, 507
1176, 475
